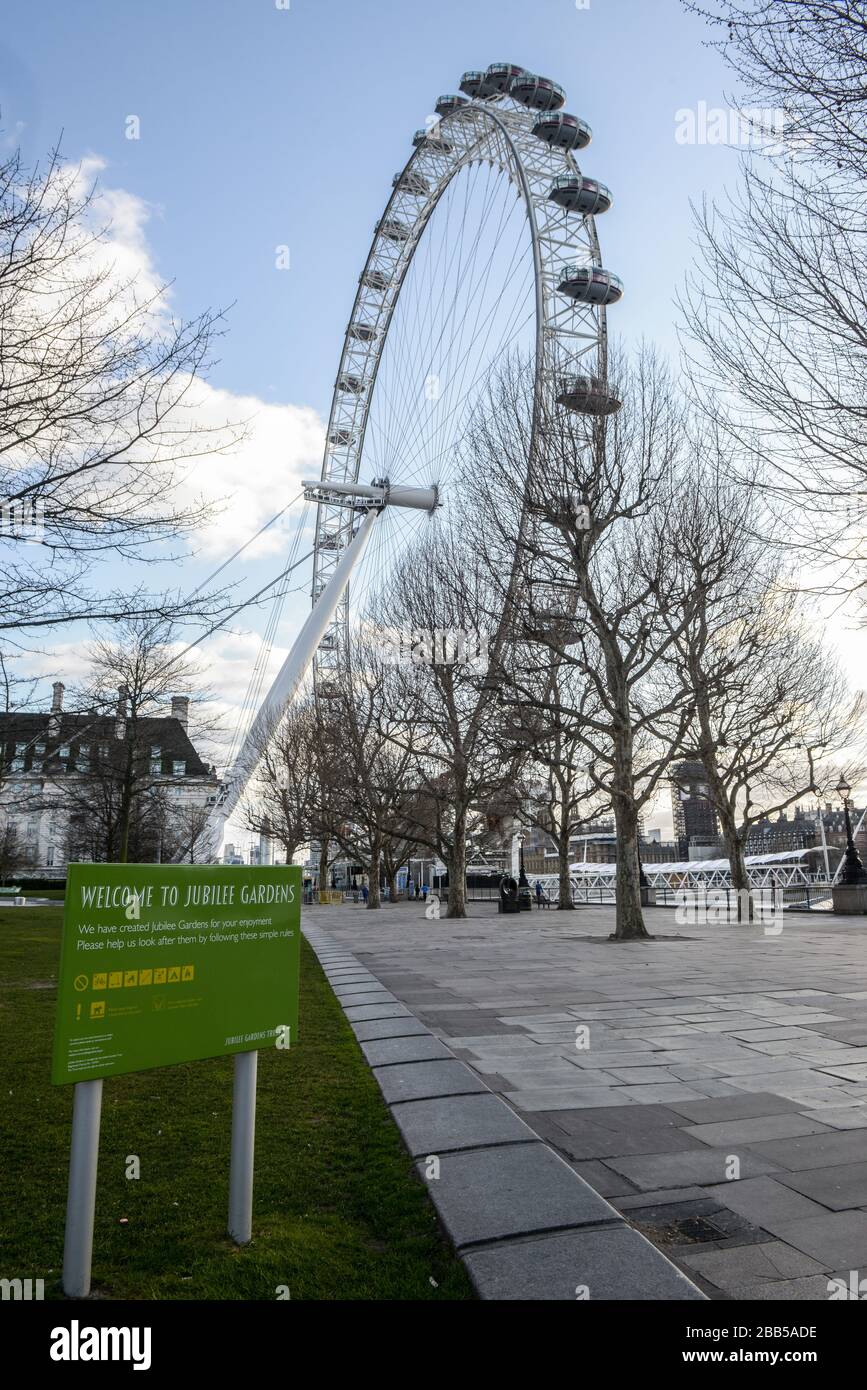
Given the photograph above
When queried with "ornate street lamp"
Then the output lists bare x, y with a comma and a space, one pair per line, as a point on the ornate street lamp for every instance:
524, 899
854, 874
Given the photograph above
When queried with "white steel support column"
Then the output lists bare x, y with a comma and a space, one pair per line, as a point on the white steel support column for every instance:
291, 674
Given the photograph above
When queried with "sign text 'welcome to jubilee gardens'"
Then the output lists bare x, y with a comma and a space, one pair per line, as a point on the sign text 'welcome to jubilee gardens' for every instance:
171, 963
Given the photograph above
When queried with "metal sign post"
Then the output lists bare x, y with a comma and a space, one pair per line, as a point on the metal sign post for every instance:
81, 1198
243, 1147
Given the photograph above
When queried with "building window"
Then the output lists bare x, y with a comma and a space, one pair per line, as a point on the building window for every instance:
179, 768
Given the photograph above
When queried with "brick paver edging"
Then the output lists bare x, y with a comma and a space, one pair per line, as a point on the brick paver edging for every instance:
524, 1223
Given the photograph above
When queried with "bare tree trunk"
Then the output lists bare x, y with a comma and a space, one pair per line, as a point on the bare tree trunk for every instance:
565, 904
739, 877
126, 800
629, 921
323, 867
373, 895
458, 868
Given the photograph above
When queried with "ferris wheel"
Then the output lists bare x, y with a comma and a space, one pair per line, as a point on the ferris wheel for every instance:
487, 244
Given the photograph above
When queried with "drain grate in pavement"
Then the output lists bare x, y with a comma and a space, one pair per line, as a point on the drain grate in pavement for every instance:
693, 1223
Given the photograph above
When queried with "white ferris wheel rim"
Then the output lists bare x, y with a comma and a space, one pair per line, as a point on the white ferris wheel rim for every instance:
499, 131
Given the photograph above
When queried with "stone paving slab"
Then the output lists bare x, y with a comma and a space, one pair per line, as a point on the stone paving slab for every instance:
445, 1125
364, 1013
421, 1080
384, 1052
404, 1027
743, 1267
836, 1188
494, 1181
615, 1263
492, 1194
759, 1047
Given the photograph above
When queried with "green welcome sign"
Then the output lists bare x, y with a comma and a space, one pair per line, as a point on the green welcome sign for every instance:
171, 963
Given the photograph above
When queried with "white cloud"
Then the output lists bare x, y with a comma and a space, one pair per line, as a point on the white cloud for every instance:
282, 444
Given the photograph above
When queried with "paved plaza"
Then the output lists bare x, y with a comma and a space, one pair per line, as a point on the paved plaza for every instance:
711, 1084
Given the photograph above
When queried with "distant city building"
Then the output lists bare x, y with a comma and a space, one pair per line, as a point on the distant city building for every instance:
48, 763
695, 818
798, 831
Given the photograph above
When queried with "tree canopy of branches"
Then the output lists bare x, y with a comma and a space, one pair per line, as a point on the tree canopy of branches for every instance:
118, 800
98, 392
775, 314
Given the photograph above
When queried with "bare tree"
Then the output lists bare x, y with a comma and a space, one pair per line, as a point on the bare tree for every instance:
98, 389
439, 593
547, 709
775, 312
286, 791
12, 855
378, 763
135, 672
771, 714
585, 520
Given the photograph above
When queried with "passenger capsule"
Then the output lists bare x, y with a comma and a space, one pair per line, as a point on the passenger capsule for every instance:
562, 131
497, 78
341, 439
539, 93
588, 395
411, 182
471, 83
431, 140
446, 105
394, 229
588, 197
375, 280
363, 332
590, 284
352, 384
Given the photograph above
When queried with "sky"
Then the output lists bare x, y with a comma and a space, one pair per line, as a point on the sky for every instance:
264, 125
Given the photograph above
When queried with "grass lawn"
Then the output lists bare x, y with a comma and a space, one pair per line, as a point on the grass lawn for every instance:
338, 1212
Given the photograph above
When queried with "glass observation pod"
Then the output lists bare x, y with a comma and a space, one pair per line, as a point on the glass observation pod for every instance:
445, 105
562, 131
375, 280
431, 141
471, 83
341, 438
411, 182
539, 93
363, 332
576, 194
590, 284
392, 228
353, 384
587, 395
497, 78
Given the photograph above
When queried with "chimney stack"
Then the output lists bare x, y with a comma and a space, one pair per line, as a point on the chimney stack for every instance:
56, 709
120, 721
181, 710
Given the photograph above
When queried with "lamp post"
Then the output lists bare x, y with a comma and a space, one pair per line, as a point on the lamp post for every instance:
854, 874
524, 899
